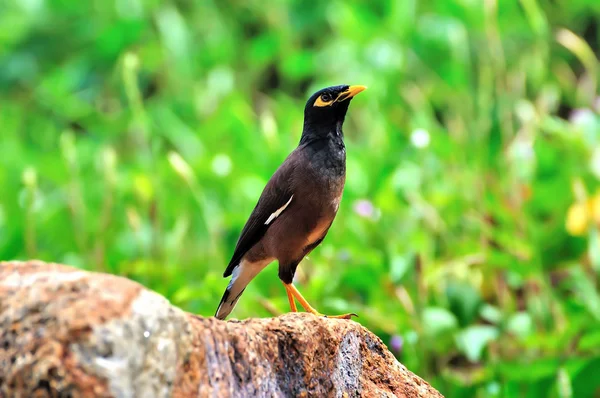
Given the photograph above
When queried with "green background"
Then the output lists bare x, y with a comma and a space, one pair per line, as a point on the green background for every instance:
137, 135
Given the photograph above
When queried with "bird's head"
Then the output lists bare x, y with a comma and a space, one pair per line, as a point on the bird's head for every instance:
327, 108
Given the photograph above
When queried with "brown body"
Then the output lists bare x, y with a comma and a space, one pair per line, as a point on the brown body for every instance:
307, 218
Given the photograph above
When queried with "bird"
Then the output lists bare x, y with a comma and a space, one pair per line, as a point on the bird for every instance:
298, 204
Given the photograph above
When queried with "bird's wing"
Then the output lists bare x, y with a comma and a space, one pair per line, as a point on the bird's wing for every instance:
273, 201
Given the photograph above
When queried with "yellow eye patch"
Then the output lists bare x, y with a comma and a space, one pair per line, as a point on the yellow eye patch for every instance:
319, 102
325, 99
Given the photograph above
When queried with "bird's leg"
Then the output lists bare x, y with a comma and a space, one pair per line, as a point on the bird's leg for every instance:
292, 293
291, 299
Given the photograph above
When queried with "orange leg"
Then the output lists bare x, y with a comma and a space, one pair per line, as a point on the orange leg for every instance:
292, 293
291, 299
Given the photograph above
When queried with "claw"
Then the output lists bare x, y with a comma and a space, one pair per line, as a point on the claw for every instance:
343, 316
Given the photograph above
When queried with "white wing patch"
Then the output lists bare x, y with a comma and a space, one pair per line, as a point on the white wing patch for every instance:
278, 212
336, 202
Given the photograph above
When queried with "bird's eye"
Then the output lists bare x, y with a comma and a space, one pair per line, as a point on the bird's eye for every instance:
323, 100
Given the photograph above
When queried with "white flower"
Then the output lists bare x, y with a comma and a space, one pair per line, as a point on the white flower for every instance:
420, 138
221, 165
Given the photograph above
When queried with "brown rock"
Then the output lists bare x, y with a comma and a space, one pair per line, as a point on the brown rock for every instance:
67, 332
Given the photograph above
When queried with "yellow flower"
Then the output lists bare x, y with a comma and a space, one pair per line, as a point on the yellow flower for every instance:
577, 219
594, 208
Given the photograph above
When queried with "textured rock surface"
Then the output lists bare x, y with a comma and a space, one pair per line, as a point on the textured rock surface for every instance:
66, 332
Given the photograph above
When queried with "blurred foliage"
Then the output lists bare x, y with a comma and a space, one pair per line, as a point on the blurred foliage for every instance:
137, 135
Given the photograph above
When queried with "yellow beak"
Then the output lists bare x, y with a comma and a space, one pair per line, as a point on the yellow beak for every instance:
351, 92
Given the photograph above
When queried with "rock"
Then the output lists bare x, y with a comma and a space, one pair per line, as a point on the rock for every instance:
67, 332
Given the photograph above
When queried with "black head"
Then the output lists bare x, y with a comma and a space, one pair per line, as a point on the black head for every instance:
326, 109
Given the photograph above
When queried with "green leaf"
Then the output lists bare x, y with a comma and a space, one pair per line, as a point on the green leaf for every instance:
563, 384
491, 313
594, 249
438, 320
520, 324
586, 382
528, 370
473, 340
399, 266
585, 290
589, 340
464, 301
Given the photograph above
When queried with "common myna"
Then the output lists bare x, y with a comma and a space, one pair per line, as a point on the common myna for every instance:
298, 204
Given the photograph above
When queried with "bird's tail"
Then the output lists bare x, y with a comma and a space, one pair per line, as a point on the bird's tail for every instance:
241, 276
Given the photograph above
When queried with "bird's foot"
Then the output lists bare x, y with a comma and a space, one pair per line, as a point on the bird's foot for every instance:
342, 316
292, 293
